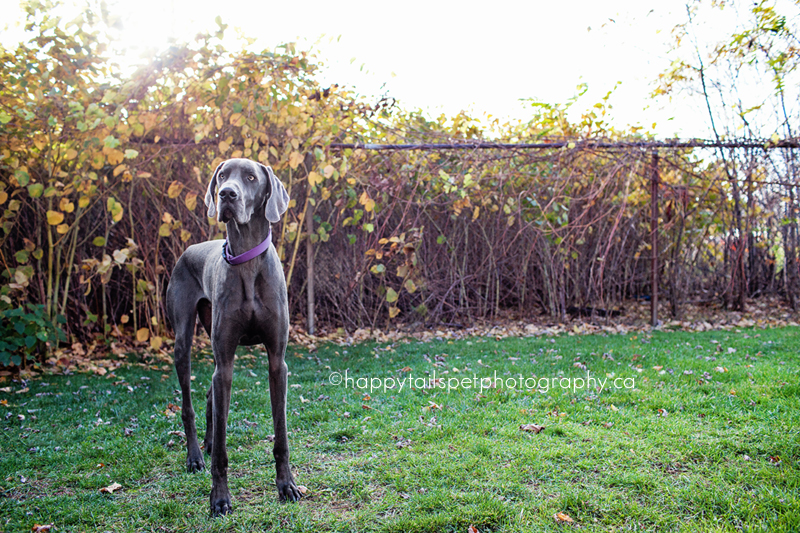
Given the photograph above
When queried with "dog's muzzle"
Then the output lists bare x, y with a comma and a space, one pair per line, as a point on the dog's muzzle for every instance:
230, 205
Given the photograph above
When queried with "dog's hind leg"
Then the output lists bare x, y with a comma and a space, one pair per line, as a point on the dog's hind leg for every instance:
183, 319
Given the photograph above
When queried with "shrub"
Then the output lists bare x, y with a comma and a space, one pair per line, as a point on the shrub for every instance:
23, 334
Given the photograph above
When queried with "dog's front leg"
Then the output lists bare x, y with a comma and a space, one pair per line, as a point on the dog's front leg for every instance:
224, 350
278, 382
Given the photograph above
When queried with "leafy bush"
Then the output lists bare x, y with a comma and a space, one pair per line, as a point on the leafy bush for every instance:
23, 334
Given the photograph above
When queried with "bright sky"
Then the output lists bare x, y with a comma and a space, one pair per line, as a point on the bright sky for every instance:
444, 56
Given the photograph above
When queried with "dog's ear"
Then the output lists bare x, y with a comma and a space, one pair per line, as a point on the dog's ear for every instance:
278, 199
211, 193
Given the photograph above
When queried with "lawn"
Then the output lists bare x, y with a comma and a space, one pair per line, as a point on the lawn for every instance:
702, 433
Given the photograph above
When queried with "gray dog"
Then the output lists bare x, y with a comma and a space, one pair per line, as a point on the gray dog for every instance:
239, 292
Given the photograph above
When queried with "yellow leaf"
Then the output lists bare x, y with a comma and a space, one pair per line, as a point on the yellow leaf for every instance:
367, 202
295, 159
563, 518
393, 312
391, 295
218, 122
143, 334
119, 170
185, 235
410, 286
191, 201
155, 343
115, 157
54, 218
314, 179
71, 154
40, 141
124, 319
98, 160
66, 205
263, 156
165, 230
237, 120
476, 212
83, 201
166, 217
174, 189
328, 171
3, 197
62, 228
223, 147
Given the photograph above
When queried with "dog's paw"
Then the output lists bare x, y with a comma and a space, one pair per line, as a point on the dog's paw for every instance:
288, 491
221, 506
208, 446
195, 463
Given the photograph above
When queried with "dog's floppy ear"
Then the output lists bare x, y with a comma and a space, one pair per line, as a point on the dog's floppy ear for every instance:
278, 199
211, 193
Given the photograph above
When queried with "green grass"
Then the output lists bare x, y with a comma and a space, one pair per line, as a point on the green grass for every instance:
724, 458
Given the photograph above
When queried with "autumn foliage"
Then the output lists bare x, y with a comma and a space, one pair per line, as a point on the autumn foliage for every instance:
103, 171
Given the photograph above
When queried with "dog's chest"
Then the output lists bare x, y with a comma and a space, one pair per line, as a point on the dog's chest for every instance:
252, 295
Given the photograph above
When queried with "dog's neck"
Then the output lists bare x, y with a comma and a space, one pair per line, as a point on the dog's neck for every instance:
242, 238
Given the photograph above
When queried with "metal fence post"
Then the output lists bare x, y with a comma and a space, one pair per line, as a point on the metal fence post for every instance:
654, 241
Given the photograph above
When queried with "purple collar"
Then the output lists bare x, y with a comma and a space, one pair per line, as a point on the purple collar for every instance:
249, 254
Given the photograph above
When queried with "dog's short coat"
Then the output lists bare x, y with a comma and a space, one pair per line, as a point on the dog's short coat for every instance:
238, 304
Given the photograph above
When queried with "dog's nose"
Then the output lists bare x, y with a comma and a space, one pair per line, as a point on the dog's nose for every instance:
227, 194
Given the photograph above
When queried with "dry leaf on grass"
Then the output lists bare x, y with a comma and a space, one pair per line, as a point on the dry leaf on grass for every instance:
111, 488
171, 410
41, 528
562, 518
532, 427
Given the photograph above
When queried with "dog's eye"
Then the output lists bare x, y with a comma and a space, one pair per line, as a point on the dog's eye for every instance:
221, 176
251, 178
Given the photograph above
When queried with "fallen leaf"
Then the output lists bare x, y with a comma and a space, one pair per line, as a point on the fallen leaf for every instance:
563, 518
111, 488
302, 488
472, 529
532, 427
431, 406
41, 528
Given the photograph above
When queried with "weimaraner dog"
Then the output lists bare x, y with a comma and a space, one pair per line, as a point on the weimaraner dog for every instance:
239, 292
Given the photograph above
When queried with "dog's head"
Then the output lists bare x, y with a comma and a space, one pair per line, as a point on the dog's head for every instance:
245, 187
